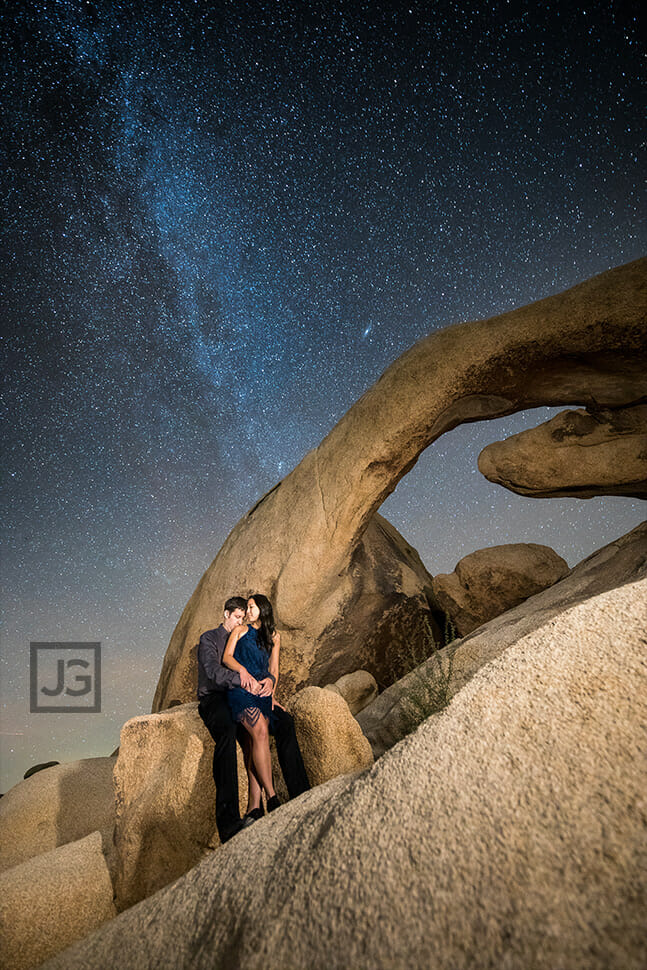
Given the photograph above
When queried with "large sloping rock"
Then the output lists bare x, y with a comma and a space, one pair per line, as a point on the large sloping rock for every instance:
59, 804
312, 545
490, 581
53, 899
579, 453
509, 831
388, 718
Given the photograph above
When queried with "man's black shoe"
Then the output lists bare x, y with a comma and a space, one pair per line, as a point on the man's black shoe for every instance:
230, 833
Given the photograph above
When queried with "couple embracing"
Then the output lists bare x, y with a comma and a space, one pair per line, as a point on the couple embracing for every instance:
238, 669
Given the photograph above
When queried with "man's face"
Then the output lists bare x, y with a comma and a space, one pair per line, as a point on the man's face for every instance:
233, 619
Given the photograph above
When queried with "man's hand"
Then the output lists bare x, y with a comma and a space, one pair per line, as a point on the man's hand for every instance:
266, 687
247, 682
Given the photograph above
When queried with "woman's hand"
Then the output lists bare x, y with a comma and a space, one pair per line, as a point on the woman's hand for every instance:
266, 686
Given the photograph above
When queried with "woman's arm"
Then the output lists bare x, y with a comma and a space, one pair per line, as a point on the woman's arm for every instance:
228, 658
274, 658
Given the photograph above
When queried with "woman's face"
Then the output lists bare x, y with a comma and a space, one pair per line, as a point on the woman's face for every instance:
253, 611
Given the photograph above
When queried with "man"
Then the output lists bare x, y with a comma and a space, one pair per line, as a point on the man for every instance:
213, 681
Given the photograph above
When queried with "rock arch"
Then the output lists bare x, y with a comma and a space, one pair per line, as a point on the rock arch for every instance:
304, 543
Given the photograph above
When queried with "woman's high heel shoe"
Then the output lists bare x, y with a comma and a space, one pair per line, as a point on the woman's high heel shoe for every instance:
273, 803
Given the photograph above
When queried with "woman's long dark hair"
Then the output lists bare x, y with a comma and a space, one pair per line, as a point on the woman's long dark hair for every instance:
267, 630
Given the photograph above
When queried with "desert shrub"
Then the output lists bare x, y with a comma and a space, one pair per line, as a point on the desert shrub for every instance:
428, 686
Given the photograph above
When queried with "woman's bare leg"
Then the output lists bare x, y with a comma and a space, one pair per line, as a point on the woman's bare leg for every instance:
253, 783
261, 757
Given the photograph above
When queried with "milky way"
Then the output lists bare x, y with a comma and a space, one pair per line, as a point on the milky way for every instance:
223, 221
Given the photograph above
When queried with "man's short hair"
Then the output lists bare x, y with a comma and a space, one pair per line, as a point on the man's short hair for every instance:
235, 603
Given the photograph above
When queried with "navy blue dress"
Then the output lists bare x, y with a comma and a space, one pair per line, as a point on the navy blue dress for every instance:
246, 707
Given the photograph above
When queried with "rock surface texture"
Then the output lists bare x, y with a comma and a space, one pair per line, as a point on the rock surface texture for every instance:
490, 581
57, 805
579, 453
313, 545
387, 719
53, 899
508, 831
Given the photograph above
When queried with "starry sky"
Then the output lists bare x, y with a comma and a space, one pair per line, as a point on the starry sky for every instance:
222, 222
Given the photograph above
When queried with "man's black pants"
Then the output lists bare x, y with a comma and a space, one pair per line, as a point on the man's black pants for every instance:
215, 713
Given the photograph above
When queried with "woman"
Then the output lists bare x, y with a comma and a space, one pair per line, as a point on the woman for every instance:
254, 647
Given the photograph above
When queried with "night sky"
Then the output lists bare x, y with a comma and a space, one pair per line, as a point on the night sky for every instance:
222, 222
